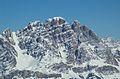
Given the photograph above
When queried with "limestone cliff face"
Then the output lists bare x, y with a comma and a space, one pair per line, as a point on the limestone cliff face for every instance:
57, 49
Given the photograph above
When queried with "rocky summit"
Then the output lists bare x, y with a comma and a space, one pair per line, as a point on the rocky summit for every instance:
55, 49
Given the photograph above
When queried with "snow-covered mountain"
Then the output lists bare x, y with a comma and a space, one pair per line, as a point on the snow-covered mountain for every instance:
56, 49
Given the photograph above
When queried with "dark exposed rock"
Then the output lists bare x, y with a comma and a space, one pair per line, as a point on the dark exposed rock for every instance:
54, 75
61, 67
7, 33
88, 34
78, 69
110, 57
70, 59
81, 77
27, 74
9, 36
7, 56
81, 56
92, 76
117, 55
107, 70
83, 69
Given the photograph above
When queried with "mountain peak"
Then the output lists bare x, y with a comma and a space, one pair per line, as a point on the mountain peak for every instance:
57, 49
56, 20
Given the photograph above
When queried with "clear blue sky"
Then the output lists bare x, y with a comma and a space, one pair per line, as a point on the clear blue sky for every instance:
102, 16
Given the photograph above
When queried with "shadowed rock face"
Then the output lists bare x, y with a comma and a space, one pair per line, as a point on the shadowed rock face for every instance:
88, 34
60, 49
57, 31
110, 59
92, 76
61, 67
83, 69
29, 74
8, 36
106, 70
7, 56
